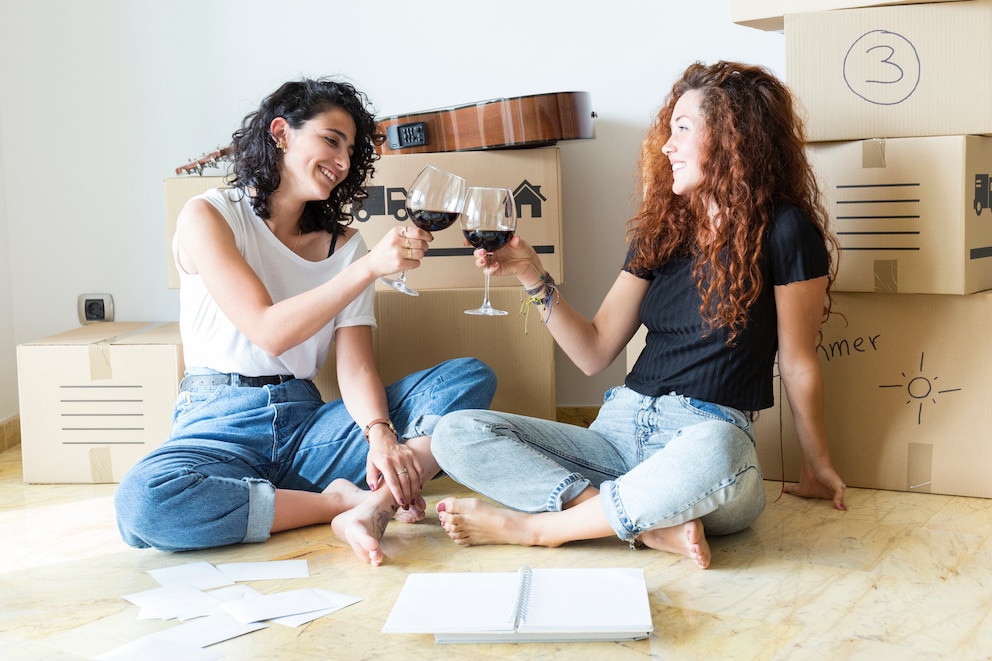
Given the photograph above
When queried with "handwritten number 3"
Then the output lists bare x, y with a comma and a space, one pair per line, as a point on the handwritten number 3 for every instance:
889, 52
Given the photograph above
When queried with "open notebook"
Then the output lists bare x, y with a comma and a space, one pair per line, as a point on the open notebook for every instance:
530, 605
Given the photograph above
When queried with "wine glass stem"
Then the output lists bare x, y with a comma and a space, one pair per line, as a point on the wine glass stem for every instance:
401, 277
485, 296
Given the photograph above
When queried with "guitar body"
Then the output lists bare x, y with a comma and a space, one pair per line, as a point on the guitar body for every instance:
525, 121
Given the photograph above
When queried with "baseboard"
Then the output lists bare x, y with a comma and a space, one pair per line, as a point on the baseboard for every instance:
577, 415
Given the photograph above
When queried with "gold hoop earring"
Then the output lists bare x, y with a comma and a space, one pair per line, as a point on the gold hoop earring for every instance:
281, 147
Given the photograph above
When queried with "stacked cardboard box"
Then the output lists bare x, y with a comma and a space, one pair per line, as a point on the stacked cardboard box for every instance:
897, 102
96, 399
417, 332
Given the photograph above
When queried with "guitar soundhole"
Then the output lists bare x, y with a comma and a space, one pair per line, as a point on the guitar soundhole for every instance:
407, 135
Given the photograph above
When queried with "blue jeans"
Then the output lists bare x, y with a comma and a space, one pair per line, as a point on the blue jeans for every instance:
213, 481
657, 461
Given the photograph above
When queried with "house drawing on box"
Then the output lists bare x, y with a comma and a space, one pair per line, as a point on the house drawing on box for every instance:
527, 194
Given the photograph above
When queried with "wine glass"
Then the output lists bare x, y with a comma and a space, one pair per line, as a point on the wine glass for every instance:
433, 203
489, 220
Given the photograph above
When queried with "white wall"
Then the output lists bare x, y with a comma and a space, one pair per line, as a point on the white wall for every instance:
102, 99
8, 363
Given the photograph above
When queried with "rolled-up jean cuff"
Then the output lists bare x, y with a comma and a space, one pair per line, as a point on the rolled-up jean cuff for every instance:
422, 426
610, 501
261, 510
567, 491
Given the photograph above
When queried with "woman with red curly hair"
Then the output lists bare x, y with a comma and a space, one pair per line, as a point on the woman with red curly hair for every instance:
729, 263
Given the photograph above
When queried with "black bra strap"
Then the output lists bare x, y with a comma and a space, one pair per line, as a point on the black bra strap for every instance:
335, 232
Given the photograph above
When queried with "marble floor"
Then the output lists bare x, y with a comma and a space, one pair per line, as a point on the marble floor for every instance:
898, 576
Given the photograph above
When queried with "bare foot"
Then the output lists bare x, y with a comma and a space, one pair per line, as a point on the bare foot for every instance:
687, 539
471, 522
416, 513
344, 494
363, 527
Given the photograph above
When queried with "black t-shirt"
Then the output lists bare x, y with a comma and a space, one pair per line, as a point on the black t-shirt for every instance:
677, 358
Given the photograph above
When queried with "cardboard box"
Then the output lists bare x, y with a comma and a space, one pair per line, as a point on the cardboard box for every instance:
892, 72
534, 175
906, 393
418, 332
770, 14
912, 214
178, 191
94, 400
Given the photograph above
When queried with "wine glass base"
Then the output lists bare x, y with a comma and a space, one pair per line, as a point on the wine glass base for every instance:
487, 312
400, 286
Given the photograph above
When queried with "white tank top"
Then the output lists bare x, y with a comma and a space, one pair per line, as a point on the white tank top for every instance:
210, 340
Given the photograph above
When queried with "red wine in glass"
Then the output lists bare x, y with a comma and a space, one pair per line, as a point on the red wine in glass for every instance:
432, 221
489, 240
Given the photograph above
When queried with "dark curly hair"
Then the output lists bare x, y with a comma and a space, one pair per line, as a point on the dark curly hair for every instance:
753, 158
256, 158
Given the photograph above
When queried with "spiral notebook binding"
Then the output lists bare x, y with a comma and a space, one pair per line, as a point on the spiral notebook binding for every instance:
521, 598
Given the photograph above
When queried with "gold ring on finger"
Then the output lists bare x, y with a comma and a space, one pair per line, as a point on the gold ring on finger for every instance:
409, 253
402, 472
407, 244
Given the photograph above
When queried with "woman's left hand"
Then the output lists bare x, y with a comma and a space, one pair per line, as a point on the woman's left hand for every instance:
395, 466
825, 484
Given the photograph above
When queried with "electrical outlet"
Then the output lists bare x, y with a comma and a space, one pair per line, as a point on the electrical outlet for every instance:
94, 308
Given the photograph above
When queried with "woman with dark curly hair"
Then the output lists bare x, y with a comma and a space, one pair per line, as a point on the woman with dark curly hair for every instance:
271, 274
729, 262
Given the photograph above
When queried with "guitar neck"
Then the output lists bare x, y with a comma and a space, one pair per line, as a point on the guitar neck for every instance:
211, 160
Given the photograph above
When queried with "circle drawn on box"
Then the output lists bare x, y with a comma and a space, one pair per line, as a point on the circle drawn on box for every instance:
882, 67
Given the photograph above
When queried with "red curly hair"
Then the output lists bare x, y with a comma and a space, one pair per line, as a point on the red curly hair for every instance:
753, 159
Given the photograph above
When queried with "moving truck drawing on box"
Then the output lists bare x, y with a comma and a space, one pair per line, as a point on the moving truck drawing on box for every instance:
982, 193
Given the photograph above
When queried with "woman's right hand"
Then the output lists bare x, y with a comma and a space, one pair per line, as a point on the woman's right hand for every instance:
515, 258
402, 249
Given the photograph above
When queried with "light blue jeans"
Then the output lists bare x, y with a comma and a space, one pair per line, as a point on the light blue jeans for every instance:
213, 481
657, 461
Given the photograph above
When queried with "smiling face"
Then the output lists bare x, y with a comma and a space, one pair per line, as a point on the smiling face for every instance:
317, 155
684, 147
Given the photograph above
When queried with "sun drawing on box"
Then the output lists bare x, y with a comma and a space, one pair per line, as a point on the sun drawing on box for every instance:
920, 388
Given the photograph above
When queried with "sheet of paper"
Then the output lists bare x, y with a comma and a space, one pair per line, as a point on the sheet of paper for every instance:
454, 602
339, 600
586, 599
209, 630
229, 593
258, 571
171, 601
200, 575
280, 604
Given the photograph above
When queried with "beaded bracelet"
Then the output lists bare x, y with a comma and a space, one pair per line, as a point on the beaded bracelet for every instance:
543, 294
